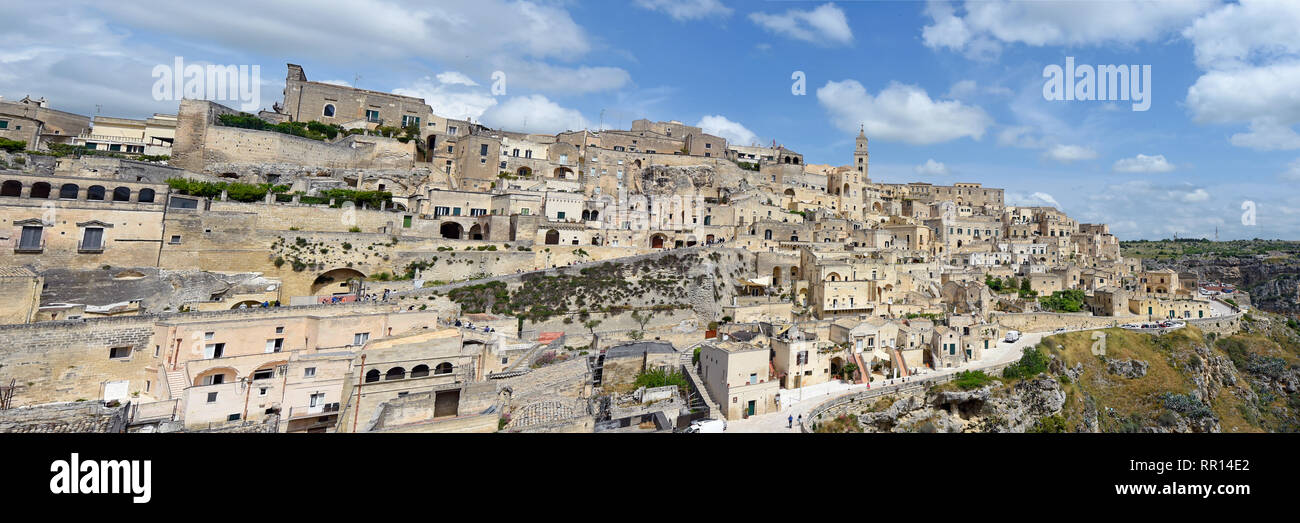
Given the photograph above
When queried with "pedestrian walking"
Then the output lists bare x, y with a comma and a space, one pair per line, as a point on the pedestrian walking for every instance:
790, 423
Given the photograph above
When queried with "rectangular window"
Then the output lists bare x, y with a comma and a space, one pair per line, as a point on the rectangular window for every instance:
274, 345
214, 350
4, 124
408, 120
212, 397
261, 391
119, 353
360, 338
92, 239
309, 372
264, 374
451, 130
477, 212
482, 150
406, 222
31, 238
372, 115
317, 400
559, 215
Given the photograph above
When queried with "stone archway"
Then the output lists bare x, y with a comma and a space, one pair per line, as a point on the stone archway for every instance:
657, 241
476, 232
552, 237
337, 281
451, 230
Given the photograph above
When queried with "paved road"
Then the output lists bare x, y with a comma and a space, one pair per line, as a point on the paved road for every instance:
800, 402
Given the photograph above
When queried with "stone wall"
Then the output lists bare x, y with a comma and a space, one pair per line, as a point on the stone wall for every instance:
78, 417
1048, 321
70, 360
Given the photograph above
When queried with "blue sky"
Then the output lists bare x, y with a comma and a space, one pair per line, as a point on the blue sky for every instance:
948, 91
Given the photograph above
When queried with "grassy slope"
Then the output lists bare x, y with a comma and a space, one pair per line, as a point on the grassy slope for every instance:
1169, 371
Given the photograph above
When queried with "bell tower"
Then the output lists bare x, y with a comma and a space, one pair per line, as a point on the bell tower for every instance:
860, 160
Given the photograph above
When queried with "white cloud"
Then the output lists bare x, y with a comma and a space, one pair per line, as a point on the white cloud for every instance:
455, 78
1244, 94
1267, 135
449, 97
343, 83
1067, 23
1036, 199
1292, 172
1144, 164
103, 54
966, 89
1198, 195
932, 168
1250, 53
901, 113
533, 114
1237, 34
686, 9
825, 25
1069, 153
734, 132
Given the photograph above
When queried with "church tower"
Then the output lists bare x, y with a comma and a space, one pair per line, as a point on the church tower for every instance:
860, 157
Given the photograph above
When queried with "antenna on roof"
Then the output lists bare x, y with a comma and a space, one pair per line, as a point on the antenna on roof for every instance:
356, 80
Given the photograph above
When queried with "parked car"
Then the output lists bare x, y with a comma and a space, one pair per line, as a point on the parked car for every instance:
1012, 336
707, 426
1059, 330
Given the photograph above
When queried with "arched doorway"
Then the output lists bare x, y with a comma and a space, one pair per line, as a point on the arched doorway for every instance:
12, 188
476, 232
451, 230
657, 241
837, 366
337, 281
42, 190
776, 276
524, 171
552, 237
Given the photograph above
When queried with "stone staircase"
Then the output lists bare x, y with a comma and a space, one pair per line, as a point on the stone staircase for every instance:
176, 383
700, 399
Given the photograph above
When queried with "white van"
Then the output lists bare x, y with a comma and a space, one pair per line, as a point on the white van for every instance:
707, 426
1012, 336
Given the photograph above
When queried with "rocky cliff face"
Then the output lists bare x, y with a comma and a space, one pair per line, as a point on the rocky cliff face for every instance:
1273, 283
1179, 382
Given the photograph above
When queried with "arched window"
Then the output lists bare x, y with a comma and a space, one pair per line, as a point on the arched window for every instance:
372, 376
395, 373
767, 235
442, 368
122, 194
708, 220
95, 192
420, 371
12, 188
69, 191
40, 190
146, 195
329, 110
